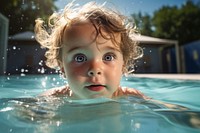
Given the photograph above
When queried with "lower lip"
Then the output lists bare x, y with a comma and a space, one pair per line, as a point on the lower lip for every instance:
95, 88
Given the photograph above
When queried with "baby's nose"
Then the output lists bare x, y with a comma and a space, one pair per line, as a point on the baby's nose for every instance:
93, 72
95, 69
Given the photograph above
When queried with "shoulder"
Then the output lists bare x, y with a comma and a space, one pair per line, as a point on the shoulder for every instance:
58, 91
125, 91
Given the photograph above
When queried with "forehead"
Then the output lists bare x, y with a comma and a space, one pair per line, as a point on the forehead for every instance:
78, 31
87, 32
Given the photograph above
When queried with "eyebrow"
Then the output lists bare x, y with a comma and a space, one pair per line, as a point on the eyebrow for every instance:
74, 48
82, 47
113, 48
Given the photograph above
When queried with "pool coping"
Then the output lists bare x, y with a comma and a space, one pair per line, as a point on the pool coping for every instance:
170, 76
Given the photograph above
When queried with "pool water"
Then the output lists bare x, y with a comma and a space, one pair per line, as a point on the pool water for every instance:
22, 111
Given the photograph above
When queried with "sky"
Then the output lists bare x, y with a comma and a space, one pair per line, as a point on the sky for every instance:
129, 7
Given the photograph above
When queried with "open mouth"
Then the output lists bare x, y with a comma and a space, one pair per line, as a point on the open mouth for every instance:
95, 87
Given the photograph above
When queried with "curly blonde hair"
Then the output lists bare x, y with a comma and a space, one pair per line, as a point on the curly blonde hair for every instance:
51, 36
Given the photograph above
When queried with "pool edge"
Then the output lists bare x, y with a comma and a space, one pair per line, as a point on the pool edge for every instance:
170, 76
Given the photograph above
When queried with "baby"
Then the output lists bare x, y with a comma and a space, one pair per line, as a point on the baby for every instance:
93, 47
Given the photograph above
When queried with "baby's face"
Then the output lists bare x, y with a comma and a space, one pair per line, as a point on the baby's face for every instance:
92, 69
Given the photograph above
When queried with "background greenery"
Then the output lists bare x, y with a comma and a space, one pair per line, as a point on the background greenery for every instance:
22, 13
182, 24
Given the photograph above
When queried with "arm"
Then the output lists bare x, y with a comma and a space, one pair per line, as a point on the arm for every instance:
58, 91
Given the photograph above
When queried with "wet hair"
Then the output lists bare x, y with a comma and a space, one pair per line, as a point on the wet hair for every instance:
51, 36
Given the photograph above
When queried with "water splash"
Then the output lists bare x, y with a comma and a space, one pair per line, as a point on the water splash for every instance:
43, 83
41, 63
22, 74
22, 70
14, 47
6, 109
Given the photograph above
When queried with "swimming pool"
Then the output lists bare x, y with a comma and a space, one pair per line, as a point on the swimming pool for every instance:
22, 112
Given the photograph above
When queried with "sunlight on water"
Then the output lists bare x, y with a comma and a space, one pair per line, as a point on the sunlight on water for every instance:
22, 111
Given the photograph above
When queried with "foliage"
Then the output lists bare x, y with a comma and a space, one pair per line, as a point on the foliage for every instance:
143, 22
165, 21
175, 23
181, 24
22, 13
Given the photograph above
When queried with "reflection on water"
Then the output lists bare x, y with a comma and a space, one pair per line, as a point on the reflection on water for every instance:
179, 113
130, 115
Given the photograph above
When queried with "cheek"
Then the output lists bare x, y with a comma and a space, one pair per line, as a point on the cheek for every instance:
75, 70
114, 71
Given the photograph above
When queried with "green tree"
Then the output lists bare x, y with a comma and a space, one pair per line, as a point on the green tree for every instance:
181, 23
144, 23
22, 13
189, 23
165, 22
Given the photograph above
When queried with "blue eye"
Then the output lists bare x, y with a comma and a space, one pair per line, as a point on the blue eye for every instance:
109, 57
80, 58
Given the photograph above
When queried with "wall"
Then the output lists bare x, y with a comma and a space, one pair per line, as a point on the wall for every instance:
25, 57
192, 57
151, 60
3, 43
